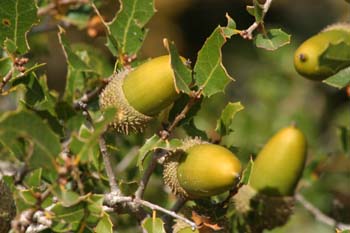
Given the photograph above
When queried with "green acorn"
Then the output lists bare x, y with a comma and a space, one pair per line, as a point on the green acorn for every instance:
201, 169
279, 165
267, 201
307, 58
140, 94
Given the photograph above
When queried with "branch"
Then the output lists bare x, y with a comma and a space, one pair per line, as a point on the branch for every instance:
88, 96
164, 134
147, 174
248, 33
103, 149
112, 200
6, 79
321, 217
109, 170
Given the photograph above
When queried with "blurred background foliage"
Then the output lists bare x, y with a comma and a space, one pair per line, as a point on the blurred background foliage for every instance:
272, 93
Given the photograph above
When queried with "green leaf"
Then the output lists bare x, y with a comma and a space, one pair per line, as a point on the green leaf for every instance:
27, 196
105, 225
33, 179
272, 40
148, 146
127, 27
73, 60
340, 79
247, 171
86, 144
153, 143
112, 45
66, 197
210, 74
344, 135
224, 124
337, 52
16, 19
153, 225
70, 215
46, 144
230, 29
258, 12
183, 75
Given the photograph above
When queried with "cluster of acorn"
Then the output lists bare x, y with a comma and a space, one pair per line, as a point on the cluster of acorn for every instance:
199, 169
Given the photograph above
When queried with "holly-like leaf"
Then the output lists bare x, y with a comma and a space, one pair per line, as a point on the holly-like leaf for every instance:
257, 10
340, 79
66, 219
153, 143
272, 39
16, 19
224, 124
183, 75
230, 29
127, 27
247, 171
153, 225
337, 52
33, 179
105, 225
45, 144
210, 74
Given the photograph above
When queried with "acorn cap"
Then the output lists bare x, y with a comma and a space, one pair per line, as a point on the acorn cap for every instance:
261, 211
126, 118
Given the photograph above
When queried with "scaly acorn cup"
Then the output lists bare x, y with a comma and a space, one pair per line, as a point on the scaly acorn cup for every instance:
307, 58
279, 165
200, 169
140, 94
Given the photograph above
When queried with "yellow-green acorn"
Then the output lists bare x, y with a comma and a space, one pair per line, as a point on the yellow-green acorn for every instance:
202, 170
307, 57
140, 94
279, 165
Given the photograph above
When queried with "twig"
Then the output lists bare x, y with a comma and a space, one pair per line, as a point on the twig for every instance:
6, 79
319, 215
147, 175
248, 33
168, 212
103, 149
53, 6
88, 96
164, 134
109, 170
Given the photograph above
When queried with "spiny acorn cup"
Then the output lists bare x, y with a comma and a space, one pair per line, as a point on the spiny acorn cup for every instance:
140, 94
201, 170
309, 60
267, 200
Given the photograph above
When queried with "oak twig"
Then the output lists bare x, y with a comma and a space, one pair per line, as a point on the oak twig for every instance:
6, 79
321, 217
248, 33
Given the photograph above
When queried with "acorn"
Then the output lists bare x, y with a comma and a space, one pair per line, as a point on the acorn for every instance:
267, 201
139, 94
201, 169
279, 165
307, 58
